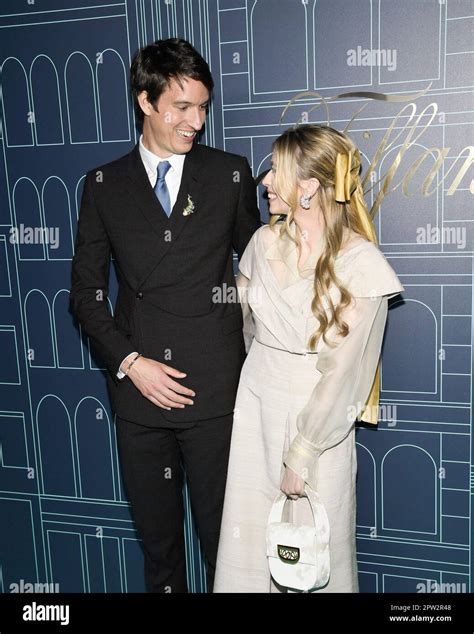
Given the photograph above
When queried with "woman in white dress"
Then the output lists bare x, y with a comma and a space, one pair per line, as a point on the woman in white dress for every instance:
314, 292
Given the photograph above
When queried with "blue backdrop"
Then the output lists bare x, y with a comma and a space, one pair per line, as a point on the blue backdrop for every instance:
65, 108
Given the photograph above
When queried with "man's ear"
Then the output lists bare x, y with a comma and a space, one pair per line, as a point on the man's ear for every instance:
144, 104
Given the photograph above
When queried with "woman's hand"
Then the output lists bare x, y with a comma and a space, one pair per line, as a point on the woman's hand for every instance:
292, 484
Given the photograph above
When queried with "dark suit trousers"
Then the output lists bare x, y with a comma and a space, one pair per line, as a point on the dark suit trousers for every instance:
151, 460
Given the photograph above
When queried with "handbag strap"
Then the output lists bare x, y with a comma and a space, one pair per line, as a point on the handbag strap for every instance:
317, 508
276, 512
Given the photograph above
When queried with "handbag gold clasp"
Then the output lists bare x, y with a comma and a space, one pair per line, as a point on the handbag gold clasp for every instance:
288, 554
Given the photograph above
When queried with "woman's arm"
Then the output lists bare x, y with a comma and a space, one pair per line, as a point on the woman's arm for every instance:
348, 371
248, 329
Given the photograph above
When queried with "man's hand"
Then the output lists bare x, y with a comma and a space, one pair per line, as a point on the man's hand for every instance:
292, 484
153, 380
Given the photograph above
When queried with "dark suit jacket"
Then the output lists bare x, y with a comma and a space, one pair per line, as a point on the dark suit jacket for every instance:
168, 270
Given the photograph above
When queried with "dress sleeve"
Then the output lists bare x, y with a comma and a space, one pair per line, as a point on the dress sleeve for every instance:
347, 373
246, 267
248, 328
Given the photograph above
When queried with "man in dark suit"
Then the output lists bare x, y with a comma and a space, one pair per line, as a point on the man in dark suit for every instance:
170, 212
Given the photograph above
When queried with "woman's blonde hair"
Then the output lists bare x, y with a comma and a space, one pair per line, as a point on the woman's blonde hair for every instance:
310, 151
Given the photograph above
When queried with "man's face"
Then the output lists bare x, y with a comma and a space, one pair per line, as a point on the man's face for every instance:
179, 114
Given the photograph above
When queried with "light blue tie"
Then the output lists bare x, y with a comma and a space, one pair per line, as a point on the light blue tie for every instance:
161, 188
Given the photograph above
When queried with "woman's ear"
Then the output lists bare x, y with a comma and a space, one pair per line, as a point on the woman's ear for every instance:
309, 187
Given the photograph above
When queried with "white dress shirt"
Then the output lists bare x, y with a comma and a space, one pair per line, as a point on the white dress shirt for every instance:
173, 182
173, 175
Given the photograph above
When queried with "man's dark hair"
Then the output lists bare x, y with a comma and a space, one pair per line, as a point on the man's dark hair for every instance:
154, 66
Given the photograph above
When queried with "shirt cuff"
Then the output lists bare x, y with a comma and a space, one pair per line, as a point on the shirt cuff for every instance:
303, 459
120, 374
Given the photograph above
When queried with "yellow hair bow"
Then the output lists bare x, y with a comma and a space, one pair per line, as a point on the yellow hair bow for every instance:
342, 176
348, 188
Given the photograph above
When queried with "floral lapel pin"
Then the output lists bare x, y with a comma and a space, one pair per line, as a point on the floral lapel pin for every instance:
189, 209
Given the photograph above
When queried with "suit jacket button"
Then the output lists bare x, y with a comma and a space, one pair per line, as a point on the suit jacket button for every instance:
139, 295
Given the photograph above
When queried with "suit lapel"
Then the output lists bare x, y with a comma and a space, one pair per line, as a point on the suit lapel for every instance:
148, 204
189, 187
138, 185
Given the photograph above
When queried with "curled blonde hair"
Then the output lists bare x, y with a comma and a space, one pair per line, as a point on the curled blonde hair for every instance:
310, 151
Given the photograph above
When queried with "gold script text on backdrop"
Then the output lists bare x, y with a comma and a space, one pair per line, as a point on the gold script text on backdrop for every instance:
412, 130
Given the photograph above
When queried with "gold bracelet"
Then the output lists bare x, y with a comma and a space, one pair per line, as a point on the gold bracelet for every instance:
131, 363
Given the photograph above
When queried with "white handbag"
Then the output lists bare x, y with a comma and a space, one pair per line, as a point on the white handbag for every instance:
298, 556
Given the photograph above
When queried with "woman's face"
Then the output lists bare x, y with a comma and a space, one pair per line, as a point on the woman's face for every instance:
275, 204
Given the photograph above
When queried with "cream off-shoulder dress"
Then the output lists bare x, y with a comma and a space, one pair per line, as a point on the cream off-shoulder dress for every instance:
298, 408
